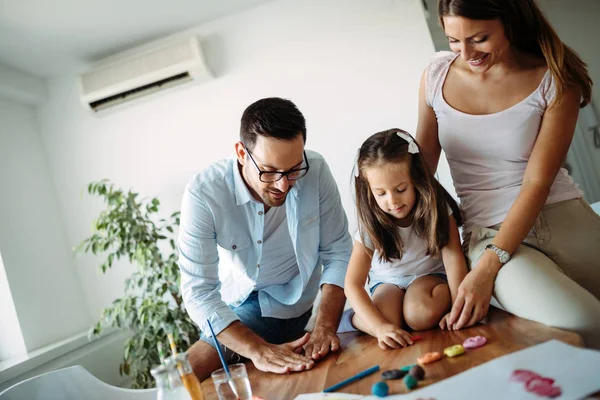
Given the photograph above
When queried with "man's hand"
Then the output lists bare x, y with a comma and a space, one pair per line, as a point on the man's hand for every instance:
282, 358
322, 340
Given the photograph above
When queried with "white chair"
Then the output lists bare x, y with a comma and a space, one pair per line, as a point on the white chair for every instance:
596, 207
72, 383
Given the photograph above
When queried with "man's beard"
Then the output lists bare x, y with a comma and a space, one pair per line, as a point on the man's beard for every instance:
271, 201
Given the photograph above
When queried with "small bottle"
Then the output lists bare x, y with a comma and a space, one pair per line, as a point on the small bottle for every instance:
168, 384
189, 379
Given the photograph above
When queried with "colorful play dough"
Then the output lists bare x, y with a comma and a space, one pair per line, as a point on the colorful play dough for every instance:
380, 389
454, 351
410, 382
407, 367
429, 358
474, 342
393, 374
417, 372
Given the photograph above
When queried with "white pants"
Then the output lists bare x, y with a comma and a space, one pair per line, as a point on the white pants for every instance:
554, 276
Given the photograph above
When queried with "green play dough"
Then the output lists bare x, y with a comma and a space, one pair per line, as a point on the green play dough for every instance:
410, 382
407, 367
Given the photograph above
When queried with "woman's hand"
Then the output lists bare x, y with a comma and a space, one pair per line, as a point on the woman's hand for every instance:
390, 336
444, 322
474, 295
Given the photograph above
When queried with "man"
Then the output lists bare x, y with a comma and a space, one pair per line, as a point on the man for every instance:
259, 235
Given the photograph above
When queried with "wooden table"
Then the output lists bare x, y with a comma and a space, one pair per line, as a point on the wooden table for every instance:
506, 334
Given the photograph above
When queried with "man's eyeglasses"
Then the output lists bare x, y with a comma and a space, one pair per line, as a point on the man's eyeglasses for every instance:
269, 177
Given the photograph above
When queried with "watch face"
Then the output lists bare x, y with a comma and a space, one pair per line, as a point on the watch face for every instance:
504, 258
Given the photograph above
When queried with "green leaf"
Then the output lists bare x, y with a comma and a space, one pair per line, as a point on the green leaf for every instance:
127, 350
128, 227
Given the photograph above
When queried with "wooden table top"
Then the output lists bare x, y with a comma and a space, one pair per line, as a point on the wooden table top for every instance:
505, 333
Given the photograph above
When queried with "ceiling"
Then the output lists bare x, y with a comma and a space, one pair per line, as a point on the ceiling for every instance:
49, 37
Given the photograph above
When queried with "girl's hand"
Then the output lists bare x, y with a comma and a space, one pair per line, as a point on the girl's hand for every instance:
473, 299
390, 336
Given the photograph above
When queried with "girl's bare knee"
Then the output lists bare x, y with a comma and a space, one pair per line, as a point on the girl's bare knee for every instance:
426, 312
421, 318
388, 300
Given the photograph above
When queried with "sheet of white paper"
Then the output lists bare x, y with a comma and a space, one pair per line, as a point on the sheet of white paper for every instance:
330, 396
575, 370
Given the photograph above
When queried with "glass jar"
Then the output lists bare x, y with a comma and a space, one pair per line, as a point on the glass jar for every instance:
190, 381
168, 383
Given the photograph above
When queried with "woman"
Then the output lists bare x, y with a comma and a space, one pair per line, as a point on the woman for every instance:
504, 106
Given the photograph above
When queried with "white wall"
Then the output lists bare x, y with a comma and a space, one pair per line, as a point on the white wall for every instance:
47, 296
22, 86
576, 22
352, 67
11, 337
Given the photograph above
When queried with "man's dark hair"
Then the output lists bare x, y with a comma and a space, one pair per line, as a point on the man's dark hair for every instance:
271, 117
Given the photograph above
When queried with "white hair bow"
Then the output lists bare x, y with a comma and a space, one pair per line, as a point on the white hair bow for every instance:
412, 145
356, 168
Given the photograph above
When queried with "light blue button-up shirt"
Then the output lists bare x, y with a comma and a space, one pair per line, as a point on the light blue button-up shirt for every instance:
220, 244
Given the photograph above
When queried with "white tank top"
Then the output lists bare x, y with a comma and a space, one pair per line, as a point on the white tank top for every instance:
488, 153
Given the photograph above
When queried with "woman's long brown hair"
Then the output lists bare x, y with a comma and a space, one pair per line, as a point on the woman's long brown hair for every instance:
528, 29
430, 219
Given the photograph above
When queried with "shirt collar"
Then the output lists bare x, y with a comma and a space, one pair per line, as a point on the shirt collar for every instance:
242, 194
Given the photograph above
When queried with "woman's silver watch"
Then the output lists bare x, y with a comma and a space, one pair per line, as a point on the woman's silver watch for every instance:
503, 255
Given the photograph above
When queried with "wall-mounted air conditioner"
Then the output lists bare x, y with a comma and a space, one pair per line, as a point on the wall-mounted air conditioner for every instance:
143, 71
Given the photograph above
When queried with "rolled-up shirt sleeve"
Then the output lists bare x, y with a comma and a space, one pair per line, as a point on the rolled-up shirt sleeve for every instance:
198, 264
335, 241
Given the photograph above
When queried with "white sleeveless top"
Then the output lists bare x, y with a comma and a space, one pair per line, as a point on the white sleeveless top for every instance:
488, 153
415, 261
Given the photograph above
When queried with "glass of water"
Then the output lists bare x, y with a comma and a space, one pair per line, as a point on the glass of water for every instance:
236, 389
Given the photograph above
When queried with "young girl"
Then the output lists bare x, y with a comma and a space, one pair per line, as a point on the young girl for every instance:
407, 243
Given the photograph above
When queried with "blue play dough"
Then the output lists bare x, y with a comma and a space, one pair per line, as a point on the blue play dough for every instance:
380, 389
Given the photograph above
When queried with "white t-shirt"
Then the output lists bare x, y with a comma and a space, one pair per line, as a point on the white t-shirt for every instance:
281, 265
414, 262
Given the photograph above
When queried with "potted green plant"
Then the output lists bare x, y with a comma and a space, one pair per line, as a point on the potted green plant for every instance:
152, 305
